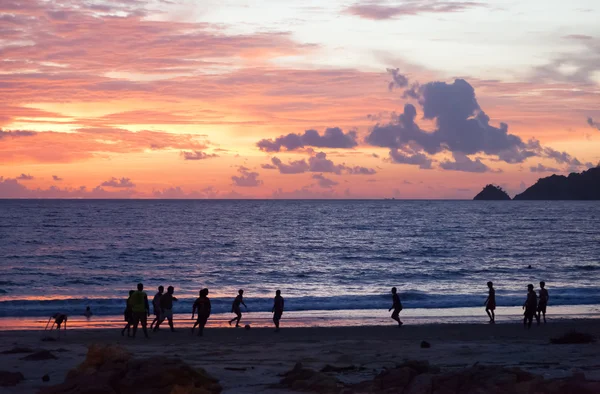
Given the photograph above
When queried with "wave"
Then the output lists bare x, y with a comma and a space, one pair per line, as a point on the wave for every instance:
410, 299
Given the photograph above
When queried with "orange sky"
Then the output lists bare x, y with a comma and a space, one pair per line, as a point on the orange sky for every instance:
104, 99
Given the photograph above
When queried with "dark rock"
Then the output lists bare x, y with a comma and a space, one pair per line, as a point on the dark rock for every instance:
40, 355
48, 339
573, 337
584, 186
492, 192
332, 368
18, 350
421, 384
306, 379
45, 378
111, 370
9, 379
425, 345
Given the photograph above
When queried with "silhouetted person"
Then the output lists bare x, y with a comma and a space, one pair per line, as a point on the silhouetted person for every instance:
490, 303
543, 302
529, 267
530, 306
59, 319
235, 308
140, 309
88, 312
396, 306
166, 308
202, 305
128, 315
277, 310
156, 305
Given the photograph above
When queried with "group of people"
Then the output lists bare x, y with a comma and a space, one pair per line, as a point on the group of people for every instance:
138, 310
534, 306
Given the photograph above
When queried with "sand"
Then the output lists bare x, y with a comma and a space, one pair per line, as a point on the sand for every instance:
249, 361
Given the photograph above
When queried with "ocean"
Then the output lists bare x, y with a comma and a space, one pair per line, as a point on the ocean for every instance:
326, 256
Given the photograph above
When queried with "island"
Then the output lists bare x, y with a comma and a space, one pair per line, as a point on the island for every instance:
584, 186
492, 192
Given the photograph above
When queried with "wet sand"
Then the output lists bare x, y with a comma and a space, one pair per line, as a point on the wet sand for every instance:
249, 361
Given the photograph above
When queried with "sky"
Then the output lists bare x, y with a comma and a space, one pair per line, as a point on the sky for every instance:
413, 99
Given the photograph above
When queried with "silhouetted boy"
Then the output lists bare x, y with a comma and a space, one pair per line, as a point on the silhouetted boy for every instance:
166, 308
88, 312
202, 305
277, 310
128, 315
490, 303
530, 306
140, 309
397, 306
235, 308
543, 302
156, 305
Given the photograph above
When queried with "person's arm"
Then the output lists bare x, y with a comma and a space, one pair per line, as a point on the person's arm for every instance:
175, 299
274, 303
282, 304
486, 301
243, 303
147, 305
193, 310
209, 308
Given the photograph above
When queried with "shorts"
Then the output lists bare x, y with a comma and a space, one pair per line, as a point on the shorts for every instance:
491, 306
166, 313
277, 315
139, 317
542, 307
202, 320
396, 312
529, 313
156, 312
237, 311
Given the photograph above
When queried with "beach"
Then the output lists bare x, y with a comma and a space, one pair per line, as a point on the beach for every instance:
250, 361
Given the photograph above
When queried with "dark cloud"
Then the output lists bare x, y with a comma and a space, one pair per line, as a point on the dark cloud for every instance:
16, 133
293, 167
593, 123
375, 10
398, 80
316, 163
246, 178
25, 177
324, 182
56, 178
542, 168
360, 170
462, 128
332, 138
197, 155
268, 166
118, 183
11, 188
464, 163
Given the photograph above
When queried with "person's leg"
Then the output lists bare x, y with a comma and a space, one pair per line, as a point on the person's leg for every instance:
136, 322
194, 326
489, 314
160, 321
144, 320
525, 321
493, 316
170, 319
238, 318
544, 312
201, 325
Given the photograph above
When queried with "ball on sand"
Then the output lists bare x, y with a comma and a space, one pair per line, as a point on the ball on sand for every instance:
247, 326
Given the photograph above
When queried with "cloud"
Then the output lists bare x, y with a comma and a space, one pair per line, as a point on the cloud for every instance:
461, 127
118, 183
542, 168
318, 162
246, 178
578, 37
197, 155
304, 193
56, 178
25, 177
592, 123
375, 10
11, 188
574, 67
464, 163
398, 80
324, 182
331, 138
15, 133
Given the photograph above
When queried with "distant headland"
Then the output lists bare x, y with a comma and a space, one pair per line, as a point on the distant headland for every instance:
576, 186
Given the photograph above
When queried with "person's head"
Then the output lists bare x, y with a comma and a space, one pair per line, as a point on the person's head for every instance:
241, 292
394, 290
278, 293
170, 289
530, 287
542, 284
140, 287
200, 292
131, 292
204, 292
490, 285
161, 289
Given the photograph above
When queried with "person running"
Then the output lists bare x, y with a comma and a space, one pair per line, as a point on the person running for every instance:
396, 306
543, 303
166, 308
235, 308
202, 305
128, 315
490, 303
156, 305
530, 306
140, 309
277, 310
88, 312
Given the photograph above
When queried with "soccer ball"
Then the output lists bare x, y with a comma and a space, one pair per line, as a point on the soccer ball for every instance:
247, 326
